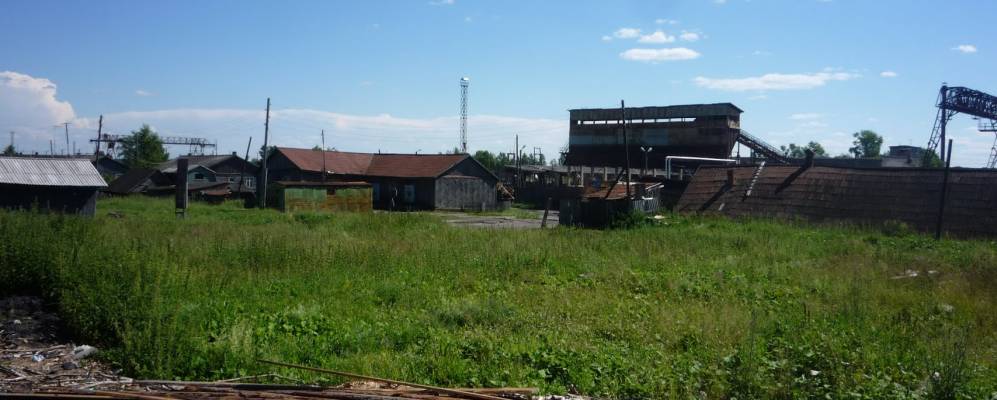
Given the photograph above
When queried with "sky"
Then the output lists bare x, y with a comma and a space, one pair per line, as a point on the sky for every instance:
383, 75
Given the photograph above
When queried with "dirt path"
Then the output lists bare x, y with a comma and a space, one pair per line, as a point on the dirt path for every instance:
497, 221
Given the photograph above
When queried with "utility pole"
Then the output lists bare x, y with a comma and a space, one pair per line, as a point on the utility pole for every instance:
516, 161
100, 128
646, 150
66, 125
323, 156
945, 120
242, 172
51, 148
626, 146
263, 161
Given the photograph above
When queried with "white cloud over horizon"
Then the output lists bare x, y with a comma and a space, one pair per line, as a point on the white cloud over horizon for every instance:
888, 74
965, 48
658, 55
29, 107
773, 81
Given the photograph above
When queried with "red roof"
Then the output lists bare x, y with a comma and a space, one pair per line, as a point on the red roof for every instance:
338, 162
388, 165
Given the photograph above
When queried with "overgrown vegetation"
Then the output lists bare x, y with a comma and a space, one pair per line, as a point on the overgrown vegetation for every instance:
688, 308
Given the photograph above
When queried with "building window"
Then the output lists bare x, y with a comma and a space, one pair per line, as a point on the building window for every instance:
409, 193
250, 182
198, 176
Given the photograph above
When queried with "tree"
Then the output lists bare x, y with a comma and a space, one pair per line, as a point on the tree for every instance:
866, 145
9, 150
487, 159
143, 149
259, 155
931, 159
796, 151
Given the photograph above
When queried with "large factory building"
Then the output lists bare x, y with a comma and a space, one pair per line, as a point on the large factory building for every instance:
595, 137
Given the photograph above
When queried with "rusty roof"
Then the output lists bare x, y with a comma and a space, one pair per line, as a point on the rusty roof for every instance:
384, 165
76, 172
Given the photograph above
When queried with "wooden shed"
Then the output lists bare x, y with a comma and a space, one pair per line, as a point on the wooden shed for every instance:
47, 184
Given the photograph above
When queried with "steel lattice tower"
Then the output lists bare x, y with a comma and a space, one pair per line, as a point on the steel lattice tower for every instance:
463, 113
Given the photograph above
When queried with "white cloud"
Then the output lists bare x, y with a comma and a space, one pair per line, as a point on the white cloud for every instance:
804, 116
606, 38
761, 53
231, 128
888, 74
626, 33
656, 55
965, 48
441, 3
774, 81
664, 21
29, 106
689, 36
144, 93
657, 37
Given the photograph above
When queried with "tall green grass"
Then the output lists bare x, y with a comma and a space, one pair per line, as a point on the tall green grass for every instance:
695, 307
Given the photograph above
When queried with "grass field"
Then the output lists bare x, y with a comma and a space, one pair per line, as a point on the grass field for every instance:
694, 307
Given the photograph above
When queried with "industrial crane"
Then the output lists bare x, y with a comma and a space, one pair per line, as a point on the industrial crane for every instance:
952, 100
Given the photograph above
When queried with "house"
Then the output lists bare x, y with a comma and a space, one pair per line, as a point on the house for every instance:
56, 185
204, 170
138, 180
398, 181
109, 167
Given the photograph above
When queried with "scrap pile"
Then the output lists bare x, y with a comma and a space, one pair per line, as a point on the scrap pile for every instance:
178, 390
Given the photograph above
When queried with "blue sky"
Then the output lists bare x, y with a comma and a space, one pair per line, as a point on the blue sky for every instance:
384, 75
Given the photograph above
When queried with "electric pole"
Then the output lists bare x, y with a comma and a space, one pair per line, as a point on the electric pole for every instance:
266, 152
626, 145
66, 125
100, 128
323, 156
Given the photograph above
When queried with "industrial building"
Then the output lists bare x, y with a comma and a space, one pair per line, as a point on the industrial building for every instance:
398, 181
54, 185
595, 135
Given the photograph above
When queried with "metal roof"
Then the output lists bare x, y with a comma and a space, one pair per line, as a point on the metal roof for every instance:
78, 172
664, 112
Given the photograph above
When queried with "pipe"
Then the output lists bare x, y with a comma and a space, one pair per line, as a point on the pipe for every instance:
668, 162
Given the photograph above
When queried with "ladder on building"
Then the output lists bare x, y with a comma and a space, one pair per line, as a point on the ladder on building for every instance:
760, 147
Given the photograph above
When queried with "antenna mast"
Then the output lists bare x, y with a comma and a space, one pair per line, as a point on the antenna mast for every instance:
463, 113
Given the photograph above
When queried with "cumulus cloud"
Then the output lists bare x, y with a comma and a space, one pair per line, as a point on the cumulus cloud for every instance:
689, 36
29, 106
657, 55
663, 21
657, 37
441, 3
888, 74
626, 33
774, 81
804, 116
143, 93
965, 48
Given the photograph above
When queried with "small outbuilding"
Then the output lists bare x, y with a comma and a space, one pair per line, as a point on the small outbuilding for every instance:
48, 184
398, 181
